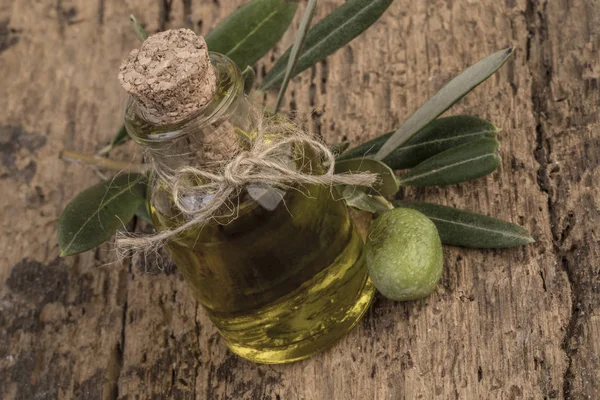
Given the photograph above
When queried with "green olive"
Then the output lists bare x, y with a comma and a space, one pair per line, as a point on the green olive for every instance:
404, 254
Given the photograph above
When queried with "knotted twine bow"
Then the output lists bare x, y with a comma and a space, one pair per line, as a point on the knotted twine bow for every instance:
268, 162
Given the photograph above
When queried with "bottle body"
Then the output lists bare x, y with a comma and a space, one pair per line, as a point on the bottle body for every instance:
280, 282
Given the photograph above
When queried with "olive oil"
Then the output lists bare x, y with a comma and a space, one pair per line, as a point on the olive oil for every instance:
281, 281
279, 285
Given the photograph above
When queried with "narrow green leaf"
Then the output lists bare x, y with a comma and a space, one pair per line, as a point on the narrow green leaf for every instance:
95, 214
331, 33
468, 161
464, 228
120, 138
249, 76
296, 48
387, 184
454, 90
252, 30
439, 135
139, 30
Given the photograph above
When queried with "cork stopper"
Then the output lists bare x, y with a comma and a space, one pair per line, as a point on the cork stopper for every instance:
170, 76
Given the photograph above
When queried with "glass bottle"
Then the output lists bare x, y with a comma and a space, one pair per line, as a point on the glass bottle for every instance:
280, 281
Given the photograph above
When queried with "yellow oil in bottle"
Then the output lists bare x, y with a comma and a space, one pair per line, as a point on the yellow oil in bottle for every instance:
280, 283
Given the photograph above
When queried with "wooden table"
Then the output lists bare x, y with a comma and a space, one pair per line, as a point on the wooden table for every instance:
510, 324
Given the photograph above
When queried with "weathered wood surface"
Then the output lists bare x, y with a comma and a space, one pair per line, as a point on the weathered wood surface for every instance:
520, 323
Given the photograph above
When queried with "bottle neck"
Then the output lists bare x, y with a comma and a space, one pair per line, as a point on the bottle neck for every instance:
205, 137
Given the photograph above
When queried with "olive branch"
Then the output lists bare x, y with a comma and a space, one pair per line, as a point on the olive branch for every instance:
430, 150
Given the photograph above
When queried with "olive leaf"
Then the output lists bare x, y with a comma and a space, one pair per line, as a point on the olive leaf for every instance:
468, 161
95, 214
139, 30
120, 138
296, 48
252, 30
387, 184
467, 229
454, 90
249, 76
331, 33
439, 135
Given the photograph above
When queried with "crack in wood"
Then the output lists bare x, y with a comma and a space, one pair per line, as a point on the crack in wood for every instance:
187, 14
570, 330
164, 17
312, 89
198, 360
100, 12
66, 17
537, 28
325, 75
114, 395
121, 352
60, 16
8, 36
293, 111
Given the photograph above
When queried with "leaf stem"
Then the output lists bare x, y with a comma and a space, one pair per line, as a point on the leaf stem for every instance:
454, 90
105, 150
296, 49
139, 30
101, 162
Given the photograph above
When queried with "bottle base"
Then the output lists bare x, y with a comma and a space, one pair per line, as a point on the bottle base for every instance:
309, 347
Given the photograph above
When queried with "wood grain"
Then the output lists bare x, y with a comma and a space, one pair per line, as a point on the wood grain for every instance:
519, 323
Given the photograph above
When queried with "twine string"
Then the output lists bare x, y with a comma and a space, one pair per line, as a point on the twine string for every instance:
268, 161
